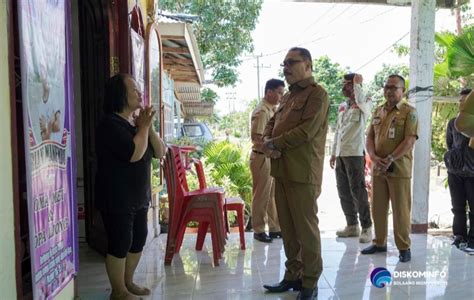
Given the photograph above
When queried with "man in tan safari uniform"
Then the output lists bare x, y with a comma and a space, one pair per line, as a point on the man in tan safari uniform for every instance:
465, 120
295, 138
390, 140
263, 202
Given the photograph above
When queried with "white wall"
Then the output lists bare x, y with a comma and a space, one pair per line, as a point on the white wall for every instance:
7, 239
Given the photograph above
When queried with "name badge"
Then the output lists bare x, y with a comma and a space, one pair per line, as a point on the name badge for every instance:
391, 133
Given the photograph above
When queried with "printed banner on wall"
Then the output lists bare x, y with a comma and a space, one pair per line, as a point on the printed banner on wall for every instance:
48, 122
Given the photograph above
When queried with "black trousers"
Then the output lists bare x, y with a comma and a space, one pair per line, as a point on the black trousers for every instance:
350, 179
126, 232
462, 193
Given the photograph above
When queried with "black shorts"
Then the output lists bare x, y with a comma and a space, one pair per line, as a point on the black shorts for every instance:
126, 232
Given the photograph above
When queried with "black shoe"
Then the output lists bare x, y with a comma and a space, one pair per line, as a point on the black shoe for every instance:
405, 255
308, 294
468, 247
275, 234
460, 242
374, 248
284, 286
262, 237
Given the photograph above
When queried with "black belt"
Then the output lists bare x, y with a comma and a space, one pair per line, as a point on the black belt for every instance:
258, 152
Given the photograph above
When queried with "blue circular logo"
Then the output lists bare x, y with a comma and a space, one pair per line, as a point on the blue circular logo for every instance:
380, 277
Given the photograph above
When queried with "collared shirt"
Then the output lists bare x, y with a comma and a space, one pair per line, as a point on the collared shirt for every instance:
390, 129
260, 117
349, 138
298, 129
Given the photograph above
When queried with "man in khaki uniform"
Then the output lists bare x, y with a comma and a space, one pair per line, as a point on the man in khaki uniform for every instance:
263, 202
297, 132
390, 140
465, 120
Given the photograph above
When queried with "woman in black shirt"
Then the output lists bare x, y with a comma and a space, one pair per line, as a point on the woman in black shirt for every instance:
125, 145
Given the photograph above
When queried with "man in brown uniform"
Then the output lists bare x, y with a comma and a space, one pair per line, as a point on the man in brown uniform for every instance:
390, 140
465, 120
298, 131
263, 202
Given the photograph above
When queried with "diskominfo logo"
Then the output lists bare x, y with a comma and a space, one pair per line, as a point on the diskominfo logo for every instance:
381, 277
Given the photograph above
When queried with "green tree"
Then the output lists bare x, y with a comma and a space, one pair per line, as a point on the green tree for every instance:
330, 76
209, 96
442, 113
238, 122
223, 31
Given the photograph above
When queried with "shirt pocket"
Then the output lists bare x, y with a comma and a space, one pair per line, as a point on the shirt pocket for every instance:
377, 129
376, 124
354, 115
295, 113
399, 124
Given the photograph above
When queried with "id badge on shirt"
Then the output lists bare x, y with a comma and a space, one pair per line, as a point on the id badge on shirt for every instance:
391, 133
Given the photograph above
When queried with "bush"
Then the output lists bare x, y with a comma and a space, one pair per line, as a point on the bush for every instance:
226, 165
442, 113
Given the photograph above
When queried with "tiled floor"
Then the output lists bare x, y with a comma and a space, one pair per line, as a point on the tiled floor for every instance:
346, 273
241, 274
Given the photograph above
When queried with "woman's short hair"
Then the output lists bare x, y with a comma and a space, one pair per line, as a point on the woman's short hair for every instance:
115, 98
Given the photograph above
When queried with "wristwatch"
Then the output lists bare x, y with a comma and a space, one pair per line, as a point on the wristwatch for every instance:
390, 156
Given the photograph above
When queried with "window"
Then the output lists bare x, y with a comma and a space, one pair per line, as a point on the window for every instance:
193, 130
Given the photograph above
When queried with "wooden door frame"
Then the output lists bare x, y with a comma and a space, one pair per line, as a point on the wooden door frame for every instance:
154, 26
12, 29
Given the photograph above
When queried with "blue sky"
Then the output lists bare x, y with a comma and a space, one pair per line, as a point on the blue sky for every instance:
353, 35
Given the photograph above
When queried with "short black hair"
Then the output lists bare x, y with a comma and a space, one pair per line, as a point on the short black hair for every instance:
273, 84
399, 78
349, 76
115, 98
465, 91
303, 52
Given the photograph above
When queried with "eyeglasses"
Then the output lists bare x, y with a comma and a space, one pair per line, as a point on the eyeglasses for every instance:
392, 87
290, 62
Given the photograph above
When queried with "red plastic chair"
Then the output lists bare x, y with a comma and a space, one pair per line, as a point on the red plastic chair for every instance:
203, 205
232, 204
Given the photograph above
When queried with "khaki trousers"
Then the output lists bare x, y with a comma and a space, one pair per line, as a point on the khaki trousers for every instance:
297, 210
398, 192
263, 202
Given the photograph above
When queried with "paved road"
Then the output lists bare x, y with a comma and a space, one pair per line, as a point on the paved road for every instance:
330, 212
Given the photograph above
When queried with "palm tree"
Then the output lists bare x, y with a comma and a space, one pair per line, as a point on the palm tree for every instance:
459, 54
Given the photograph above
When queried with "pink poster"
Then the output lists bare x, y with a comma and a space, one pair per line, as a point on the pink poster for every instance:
48, 122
